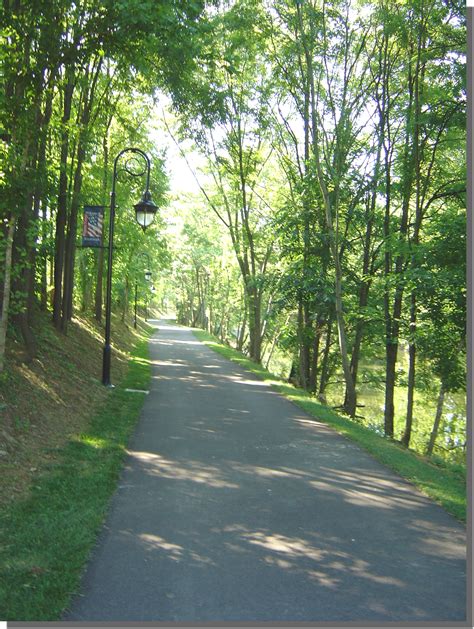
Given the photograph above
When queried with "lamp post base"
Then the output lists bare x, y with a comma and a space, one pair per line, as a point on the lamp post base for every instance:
106, 366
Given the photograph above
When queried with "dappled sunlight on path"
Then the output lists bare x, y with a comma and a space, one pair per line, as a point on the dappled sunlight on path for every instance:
236, 506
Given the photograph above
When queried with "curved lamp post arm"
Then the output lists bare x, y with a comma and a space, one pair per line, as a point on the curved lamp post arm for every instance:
138, 152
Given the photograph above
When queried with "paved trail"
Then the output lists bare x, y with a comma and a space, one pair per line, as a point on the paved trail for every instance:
236, 506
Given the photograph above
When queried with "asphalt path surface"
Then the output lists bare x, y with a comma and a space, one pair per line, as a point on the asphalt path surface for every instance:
234, 505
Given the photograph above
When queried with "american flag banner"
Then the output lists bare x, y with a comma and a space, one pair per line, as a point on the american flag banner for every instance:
92, 226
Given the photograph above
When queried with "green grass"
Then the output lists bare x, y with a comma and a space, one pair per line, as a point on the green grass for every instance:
45, 540
442, 482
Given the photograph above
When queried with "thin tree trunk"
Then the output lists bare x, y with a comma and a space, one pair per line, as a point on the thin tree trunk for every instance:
44, 260
255, 324
365, 283
70, 248
275, 340
304, 324
437, 421
363, 294
313, 375
242, 330
61, 215
303, 358
325, 363
43, 123
23, 283
6, 290
417, 158
351, 395
409, 164
125, 299
411, 387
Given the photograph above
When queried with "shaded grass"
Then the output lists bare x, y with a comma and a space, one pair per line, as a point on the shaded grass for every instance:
443, 483
46, 538
45, 401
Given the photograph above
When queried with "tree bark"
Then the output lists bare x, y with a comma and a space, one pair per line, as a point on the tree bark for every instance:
325, 363
313, 375
44, 260
242, 330
417, 158
364, 286
61, 214
43, 125
303, 362
70, 246
394, 314
437, 421
6, 290
254, 321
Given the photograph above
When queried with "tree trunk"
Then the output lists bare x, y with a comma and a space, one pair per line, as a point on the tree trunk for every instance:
254, 323
43, 124
391, 351
305, 335
350, 404
86, 285
363, 296
70, 248
125, 299
6, 290
275, 341
23, 283
411, 376
303, 362
242, 330
44, 260
61, 215
330, 201
313, 375
395, 315
418, 89
325, 363
437, 421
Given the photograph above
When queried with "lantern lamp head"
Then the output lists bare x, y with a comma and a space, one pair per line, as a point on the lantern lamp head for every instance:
145, 210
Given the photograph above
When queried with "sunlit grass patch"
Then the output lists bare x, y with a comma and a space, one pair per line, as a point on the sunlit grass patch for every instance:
446, 484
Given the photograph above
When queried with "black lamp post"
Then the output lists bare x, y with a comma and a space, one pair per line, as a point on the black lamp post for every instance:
145, 211
148, 279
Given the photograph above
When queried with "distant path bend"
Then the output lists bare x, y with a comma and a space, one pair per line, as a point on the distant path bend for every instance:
234, 505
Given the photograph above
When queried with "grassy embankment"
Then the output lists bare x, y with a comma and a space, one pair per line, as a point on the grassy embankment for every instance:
444, 483
66, 435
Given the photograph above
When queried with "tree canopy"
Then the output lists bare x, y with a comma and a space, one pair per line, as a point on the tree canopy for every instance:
327, 238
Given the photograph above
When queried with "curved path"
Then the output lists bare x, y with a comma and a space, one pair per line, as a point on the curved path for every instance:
236, 506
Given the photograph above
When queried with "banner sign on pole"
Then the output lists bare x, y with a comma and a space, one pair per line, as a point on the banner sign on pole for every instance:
92, 226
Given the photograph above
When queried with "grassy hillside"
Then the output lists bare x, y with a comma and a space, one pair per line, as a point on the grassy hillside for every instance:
45, 401
63, 438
